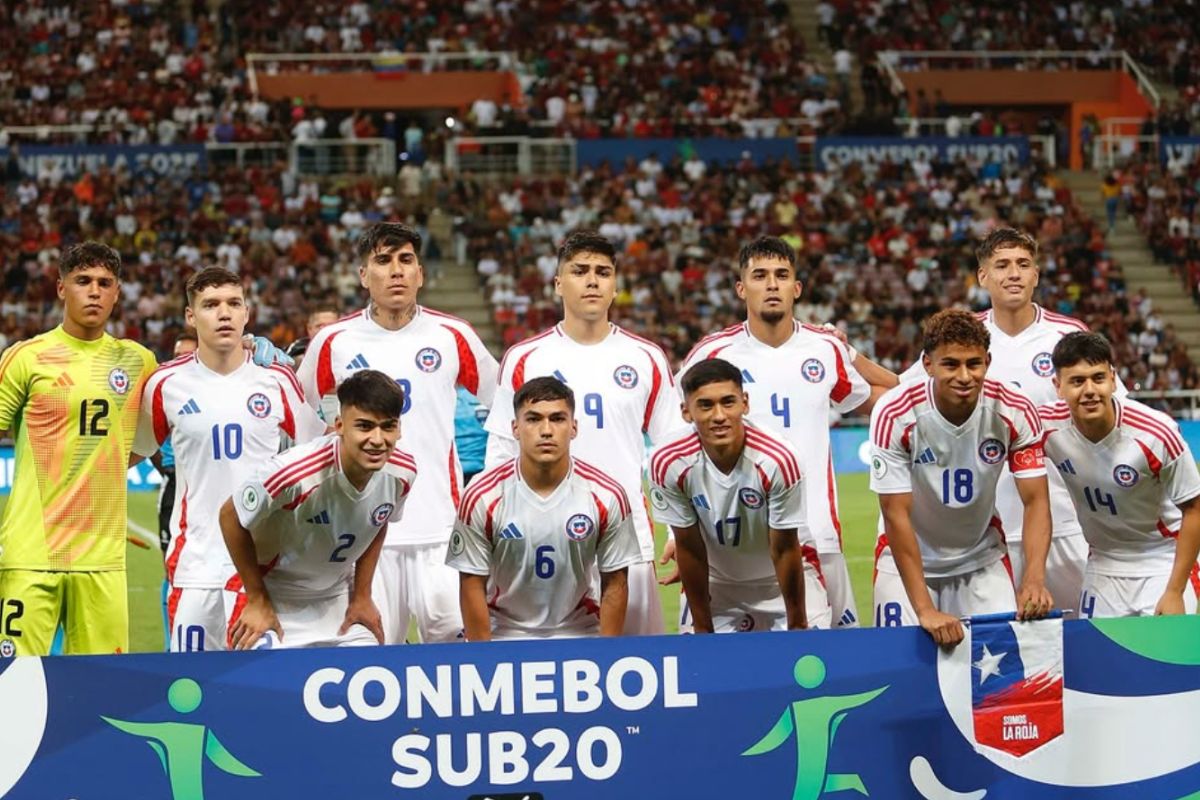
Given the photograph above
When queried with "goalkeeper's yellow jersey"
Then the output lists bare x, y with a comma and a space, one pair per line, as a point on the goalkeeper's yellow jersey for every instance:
72, 407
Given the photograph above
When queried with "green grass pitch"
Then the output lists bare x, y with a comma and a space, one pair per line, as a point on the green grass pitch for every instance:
859, 512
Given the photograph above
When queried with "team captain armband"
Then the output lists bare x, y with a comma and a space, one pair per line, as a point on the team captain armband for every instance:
1028, 462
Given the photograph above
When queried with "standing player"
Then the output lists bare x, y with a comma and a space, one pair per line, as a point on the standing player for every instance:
625, 388
938, 449
306, 533
1023, 336
225, 416
794, 374
164, 460
428, 354
734, 496
532, 532
71, 397
1134, 483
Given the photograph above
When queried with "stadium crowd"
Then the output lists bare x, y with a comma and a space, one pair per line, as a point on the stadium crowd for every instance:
881, 247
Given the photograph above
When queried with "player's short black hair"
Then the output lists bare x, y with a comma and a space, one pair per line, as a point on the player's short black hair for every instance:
539, 390
586, 241
298, 348
1005, 237
371, 391
187, 336
89, 254
710, 370
954, 326
1082, 346
385, 236
766, 247
208, 278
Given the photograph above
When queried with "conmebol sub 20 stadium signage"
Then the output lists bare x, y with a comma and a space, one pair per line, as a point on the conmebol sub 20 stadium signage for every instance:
1020, 710
833, 151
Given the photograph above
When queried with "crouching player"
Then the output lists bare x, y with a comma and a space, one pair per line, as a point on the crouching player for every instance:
1134, 484
305, 535
532, 530
734, 496
938, 449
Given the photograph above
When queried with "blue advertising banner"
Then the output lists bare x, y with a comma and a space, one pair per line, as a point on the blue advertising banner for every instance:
1179, 148
593, 152
39, 161
1104, 709
829, 152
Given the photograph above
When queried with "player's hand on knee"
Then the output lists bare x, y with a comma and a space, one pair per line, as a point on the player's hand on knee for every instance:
1034, 601
945, 629
257, 618
668, 556
1170, 603
364, 613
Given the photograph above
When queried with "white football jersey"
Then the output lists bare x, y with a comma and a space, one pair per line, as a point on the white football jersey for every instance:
735, 511
429, 357
624, 392
1023, 362
791, 389
541, 553
952, 471
223, 428
1127, 487
308, 521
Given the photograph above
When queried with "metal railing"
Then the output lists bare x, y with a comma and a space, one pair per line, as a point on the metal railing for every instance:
893, 62
343, 157
510, 156
384, 61
1179, 403
246, 154
1109, 151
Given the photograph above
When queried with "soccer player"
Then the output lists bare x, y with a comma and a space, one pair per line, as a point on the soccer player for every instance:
428, 354
733, 495
794, 373
164, 459
71, 397
225, 416
1023, 335
937, 451
307, 532
625, 388
532, 532
1134, 483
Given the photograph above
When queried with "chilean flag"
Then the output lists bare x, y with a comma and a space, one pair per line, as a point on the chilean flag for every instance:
1016, 682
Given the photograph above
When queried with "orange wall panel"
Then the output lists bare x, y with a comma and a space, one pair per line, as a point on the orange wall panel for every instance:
392, 90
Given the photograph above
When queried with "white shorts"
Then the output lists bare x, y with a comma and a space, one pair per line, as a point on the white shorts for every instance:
315, 623
643, 614
839, 589
1124, 596
198, 618
412, 582
1064, 569
739, 608
988, 590
591, 628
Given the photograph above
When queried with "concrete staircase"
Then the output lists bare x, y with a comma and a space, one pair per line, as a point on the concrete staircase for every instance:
804, 18
1129, 249
457, 292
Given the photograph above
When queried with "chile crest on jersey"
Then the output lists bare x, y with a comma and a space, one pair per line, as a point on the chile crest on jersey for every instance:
1125, 476
580, 527
625, 376
428, 359
992, 451
382, 513
118, 380
750, 498
259, 405
813, 370
1043, 365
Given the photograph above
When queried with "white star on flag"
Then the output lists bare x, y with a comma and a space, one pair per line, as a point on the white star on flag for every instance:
988, 664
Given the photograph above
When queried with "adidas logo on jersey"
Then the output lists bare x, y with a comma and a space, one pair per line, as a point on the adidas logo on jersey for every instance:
319, 519
559, 376
190, 407
64, 382
358, 362
747, 377
511, 531
700, 501
927, 457
1066, 467
847, 618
